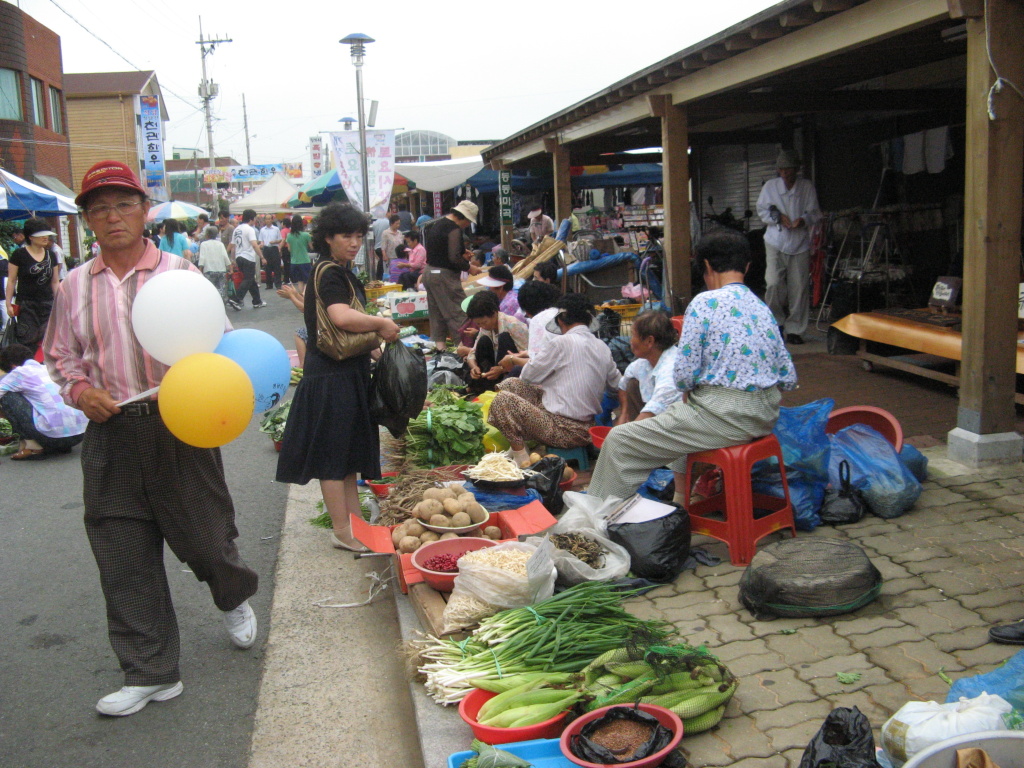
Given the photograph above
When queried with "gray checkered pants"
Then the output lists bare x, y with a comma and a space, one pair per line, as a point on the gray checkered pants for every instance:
143, 487
711, 417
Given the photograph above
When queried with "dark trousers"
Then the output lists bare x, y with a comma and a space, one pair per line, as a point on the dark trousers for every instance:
378, 264
250, 283
18, 410
488, 356
272, 254
409, 279
144, 487
286, 263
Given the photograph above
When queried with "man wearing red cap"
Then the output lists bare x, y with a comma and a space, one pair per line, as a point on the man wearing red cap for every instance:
142, 486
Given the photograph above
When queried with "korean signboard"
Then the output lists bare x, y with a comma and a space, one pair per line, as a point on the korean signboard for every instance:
380, 167
437, 205
151, 145
505, 197
316, 157
256, 173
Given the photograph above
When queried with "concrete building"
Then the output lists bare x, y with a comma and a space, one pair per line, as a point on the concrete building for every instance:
105, 122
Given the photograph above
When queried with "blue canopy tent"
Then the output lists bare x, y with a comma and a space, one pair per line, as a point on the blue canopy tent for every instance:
20, 199
632, 175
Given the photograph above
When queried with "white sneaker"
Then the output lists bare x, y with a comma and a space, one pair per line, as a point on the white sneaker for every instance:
132, 698
241, 625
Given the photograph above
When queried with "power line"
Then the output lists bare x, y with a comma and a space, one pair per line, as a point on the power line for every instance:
116, 52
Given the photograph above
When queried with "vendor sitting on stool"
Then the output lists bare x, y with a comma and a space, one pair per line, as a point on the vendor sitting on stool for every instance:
499, 335
648, 385
559, 390
732, 364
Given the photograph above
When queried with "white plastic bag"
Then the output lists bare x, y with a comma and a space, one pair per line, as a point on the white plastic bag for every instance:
587, 515
483, 590
919, 724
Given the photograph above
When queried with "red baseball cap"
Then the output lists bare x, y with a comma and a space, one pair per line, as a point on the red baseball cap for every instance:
109, 173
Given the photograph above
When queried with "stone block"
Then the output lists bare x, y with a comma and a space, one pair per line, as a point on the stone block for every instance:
852, 661
937, 564
864, 625
917, 554
775, 761
742, 648
819, 642
750, 665
986, 657
889, 698
905, 592
785, 717
889, 569
940, 616
729, 628
1001, 614
992, 597
729, 579
795, 736
938, 497
887, 636
961, 640
829, 688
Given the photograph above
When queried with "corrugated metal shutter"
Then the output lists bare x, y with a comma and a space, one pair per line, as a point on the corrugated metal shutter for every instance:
761, 163
723, 176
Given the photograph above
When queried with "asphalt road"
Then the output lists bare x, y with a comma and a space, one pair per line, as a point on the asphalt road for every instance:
55, 660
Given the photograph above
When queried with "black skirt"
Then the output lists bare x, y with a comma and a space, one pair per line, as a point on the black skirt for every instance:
329, 434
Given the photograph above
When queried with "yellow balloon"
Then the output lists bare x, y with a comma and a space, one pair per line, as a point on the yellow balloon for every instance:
206, 400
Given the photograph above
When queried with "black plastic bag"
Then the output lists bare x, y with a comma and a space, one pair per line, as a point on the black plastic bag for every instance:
609, 323
797, 578
399, 387
843, 741
446, 369
584, 748
657, 548
10, 333
844, 504
549, 475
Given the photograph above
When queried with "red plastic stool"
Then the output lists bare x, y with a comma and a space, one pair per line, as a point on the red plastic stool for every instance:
737, 502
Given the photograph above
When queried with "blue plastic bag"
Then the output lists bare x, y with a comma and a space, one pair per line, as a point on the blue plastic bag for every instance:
888, 487
805, 452
915, 461
656, 483
1006, 681
495, 501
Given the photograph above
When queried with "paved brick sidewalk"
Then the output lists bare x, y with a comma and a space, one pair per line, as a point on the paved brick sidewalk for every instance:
951, 568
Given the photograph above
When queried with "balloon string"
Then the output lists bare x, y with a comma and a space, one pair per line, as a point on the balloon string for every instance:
140, 396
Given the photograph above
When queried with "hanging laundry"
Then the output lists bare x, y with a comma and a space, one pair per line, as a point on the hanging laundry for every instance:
938, 148
913, 153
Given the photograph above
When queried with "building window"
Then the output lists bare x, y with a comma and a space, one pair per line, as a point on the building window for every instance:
422, 144
56, 113
10, 95
38, 103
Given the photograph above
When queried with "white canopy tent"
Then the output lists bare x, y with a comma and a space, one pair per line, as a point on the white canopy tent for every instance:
270, 197
440, 175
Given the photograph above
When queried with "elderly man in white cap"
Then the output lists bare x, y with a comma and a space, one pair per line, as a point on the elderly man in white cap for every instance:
447, 259
540, 224
789, 206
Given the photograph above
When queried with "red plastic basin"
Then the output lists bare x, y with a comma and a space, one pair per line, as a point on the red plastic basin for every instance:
598, 434
445, 582
470, 706
666, 717
381, 488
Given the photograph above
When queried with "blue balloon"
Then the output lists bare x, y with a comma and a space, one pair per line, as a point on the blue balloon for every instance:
264, 359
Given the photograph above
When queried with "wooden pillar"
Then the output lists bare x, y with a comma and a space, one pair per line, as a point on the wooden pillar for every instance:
992, 222
563, 181
675, 170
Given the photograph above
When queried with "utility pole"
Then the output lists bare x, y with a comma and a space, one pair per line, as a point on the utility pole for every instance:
208, 92
245, 122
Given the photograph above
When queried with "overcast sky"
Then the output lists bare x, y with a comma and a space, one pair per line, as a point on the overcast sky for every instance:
481, 70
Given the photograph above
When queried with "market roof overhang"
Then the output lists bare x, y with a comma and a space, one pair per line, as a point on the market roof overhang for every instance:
847, 58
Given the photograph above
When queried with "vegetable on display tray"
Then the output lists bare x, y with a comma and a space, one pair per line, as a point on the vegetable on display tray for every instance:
540, 753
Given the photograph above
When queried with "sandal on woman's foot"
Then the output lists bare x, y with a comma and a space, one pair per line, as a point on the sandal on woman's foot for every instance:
27, 454
341, 544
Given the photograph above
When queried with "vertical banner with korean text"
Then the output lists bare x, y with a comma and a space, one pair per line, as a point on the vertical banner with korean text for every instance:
316, 156
152, 146
380, 167
505, 197
438, 208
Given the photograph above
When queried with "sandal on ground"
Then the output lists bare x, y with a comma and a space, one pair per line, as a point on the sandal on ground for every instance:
339, 544
27, 454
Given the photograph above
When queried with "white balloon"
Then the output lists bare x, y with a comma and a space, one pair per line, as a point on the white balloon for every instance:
176, 314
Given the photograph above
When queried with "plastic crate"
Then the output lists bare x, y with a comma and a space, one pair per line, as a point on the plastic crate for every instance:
376, 293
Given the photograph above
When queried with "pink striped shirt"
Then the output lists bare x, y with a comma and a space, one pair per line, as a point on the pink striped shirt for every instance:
89, 339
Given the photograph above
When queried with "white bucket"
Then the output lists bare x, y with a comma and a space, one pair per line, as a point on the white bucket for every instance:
1006, 748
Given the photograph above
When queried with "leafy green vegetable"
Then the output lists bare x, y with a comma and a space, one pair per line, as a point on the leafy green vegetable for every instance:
848, 678
274, 422
787, 631
490, 757
450, 432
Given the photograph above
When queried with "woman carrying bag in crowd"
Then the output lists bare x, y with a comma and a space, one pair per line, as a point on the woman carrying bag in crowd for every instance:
330, 435
33, 276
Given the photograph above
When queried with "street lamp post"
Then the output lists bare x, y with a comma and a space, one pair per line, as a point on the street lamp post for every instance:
357, 43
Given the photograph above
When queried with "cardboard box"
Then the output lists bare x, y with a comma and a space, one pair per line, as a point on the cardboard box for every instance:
408, 305
514, 524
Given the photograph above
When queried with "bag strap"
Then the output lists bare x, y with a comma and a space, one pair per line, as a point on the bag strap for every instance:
844, 476
320, 268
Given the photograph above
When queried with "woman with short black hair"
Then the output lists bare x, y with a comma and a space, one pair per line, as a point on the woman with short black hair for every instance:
330, 435
33, 276
500, 335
